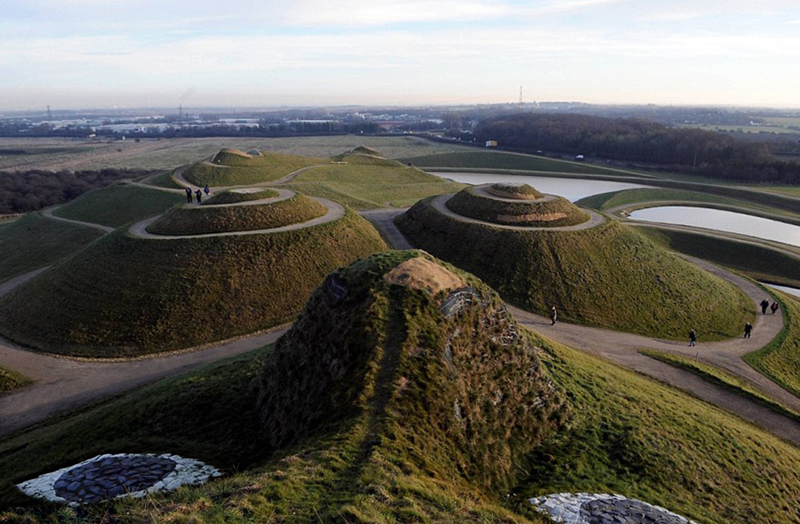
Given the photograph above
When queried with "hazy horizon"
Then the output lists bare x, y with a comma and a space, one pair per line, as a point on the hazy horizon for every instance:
74, 54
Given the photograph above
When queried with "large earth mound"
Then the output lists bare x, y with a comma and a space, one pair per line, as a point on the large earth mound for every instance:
234, 168
604, 275
125, 295
428, 356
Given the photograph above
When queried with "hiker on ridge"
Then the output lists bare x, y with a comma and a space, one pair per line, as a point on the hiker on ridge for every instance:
553, 315
206, 190
774, 307
764, 306
748, 327
692, 338
199, 195
189, 194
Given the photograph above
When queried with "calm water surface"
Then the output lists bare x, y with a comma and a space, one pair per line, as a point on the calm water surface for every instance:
791, 290
729, 221
570, 188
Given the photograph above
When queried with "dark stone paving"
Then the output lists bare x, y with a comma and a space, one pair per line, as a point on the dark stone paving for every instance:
112, 476
626, 511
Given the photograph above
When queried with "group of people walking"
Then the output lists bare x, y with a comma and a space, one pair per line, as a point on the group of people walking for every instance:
198, 194
765, 305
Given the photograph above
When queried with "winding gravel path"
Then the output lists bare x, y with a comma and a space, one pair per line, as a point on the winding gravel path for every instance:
49, 214
440, 204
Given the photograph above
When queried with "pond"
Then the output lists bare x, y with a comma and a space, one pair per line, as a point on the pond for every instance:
791, 290
728, 221
572, 189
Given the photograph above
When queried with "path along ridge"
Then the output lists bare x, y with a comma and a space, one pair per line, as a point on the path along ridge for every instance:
623, 349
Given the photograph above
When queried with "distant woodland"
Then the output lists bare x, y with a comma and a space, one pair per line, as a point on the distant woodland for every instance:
693, 151
24, 191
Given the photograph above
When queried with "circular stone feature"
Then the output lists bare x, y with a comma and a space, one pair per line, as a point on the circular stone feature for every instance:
112, 476
587, 508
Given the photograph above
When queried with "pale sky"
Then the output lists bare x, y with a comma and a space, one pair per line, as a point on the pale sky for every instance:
141, 53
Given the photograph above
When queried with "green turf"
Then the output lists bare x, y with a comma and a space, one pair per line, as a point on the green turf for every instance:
130, 296
198, 220
164, 180
523, 191
369, 187
227, 169
626, 434
780, 359
499, 160
557, 212
118, 204
793, 191
34, 241
606, 276
11, 380
758, 262
234, 197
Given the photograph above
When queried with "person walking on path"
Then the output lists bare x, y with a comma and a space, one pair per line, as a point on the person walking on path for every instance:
553, 315
692, 338
748, 327
189, 194
199, 195
764, 306
206, 190
774, 307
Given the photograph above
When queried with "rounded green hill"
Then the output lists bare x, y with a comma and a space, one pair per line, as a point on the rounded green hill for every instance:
230, 167
234, 196
392, 339
607, 275
126, 296
481, 203
250, 215
517, 191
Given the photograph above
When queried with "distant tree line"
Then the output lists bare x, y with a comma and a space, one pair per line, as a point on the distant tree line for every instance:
694, 151
24, 191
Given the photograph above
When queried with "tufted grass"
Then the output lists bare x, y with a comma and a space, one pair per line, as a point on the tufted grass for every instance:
11, 380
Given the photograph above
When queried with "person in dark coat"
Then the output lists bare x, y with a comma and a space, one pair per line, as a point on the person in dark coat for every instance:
748, 327
189, 194
553, 315
774, 307
199, 195
206, 190
764, 306
692, 338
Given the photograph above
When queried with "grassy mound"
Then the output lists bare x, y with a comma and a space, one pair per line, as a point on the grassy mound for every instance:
372, 186
131, 296
11, 380
233, 169
520, 191
627, 434
34, 241
234, 196
607, 276
391, 338
118, 204
554, 212
780, 359
198, 220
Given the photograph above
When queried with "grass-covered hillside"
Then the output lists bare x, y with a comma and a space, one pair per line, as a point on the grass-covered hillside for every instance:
228, 168
34, 241
606, 276
780, 359
129, 296
118, 204
407, 441
549, 212
234, 196
520, 191
369, 186
759, 263
196, 220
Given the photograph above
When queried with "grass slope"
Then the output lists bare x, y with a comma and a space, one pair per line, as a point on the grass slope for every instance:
372, 186
549, 213
118, 204
499, 160
11, 380
233, 170
759, 263
197, 220
234, 197
780, 359
607, 276
34, 241
627, 435
164, 180
129, 296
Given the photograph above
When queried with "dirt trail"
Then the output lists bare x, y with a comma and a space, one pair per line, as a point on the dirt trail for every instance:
49, 214
178, 175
